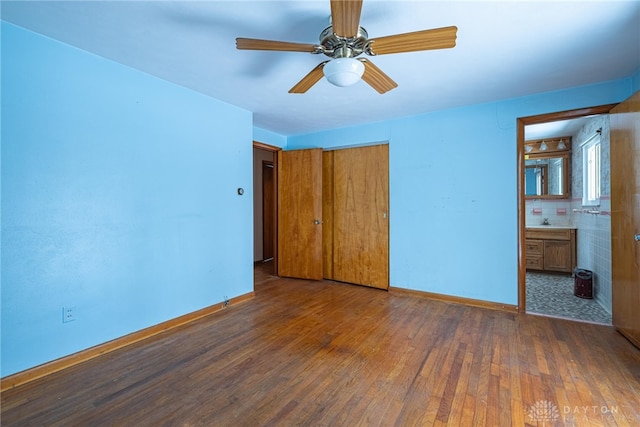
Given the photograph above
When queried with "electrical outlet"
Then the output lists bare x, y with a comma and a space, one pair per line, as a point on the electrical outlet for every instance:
68, 314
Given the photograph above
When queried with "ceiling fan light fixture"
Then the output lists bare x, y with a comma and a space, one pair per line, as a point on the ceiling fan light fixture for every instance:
343, 71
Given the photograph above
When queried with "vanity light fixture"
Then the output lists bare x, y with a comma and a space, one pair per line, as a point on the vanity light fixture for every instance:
561, 145
528, 148
543, 146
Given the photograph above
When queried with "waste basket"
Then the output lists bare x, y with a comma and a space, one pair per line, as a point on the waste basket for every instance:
583, 284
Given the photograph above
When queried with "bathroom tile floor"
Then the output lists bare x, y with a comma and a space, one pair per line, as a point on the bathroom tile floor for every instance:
552, 295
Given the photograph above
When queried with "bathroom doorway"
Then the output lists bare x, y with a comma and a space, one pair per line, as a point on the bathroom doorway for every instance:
557, 231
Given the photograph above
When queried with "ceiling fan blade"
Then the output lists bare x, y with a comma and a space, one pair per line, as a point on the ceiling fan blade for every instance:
345, 17
376, 78
437, 38
258, 44
309, 80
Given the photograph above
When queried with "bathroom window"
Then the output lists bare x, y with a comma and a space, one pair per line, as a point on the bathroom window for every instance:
591, 172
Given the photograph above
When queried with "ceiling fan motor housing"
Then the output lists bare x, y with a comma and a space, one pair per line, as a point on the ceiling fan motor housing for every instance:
336, 46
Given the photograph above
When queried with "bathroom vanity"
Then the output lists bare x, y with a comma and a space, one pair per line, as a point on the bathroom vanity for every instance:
551, 249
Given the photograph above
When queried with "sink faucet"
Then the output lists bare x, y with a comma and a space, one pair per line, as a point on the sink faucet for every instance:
545, 221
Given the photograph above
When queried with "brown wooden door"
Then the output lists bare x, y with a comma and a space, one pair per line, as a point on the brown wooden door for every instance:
327, 215
625, 217
300, 214
360, 216
268, 210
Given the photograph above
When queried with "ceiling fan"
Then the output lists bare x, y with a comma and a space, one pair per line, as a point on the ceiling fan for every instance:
344, 40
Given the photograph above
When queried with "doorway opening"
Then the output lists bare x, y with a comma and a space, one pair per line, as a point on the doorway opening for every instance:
557, 234
265, 207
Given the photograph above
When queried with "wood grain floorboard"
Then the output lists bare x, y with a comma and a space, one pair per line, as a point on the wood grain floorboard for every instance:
321, 353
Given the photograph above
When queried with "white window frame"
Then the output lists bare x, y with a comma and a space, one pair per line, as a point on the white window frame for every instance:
591, 171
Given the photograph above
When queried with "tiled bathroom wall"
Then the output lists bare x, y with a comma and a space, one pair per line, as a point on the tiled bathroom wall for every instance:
594, 229
594, 251
557, 211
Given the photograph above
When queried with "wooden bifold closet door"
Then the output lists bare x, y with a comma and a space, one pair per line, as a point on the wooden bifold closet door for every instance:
333, 213
300, 214
357, 208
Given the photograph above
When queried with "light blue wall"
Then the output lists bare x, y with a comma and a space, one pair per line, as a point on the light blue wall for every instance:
119, 197
453, 189
268, 137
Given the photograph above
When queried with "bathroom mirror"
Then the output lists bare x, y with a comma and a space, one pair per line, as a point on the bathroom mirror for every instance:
546, 176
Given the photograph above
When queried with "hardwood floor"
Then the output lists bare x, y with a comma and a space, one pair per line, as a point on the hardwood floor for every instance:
327, 354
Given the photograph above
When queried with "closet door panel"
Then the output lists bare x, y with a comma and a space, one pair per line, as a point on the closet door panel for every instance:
300, 214
360, 216
327, 214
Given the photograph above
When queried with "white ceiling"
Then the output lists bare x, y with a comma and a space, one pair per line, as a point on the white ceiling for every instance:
505, 49
554, 129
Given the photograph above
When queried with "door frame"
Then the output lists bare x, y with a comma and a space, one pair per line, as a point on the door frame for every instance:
274, 150
521, 123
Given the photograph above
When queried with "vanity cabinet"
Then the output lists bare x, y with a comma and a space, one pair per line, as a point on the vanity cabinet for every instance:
534, 250
550, 249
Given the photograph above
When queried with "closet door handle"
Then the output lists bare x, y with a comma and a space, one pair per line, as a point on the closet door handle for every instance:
637, 237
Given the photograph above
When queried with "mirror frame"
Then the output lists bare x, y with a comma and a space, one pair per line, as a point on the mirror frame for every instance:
566, 174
